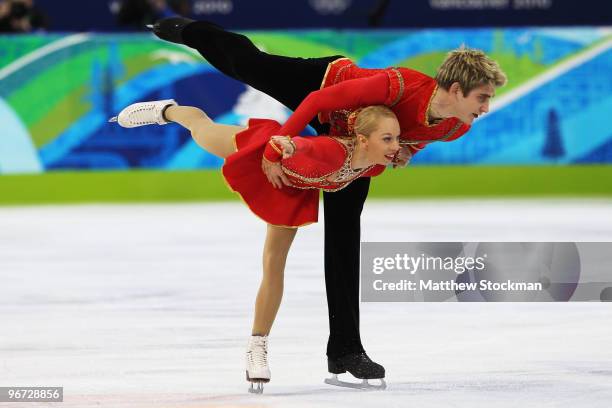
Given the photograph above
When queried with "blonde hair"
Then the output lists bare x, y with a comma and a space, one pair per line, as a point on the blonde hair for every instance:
471, 68
366, 121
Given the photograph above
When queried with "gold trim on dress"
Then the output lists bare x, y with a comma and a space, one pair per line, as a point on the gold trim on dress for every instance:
304, 178
308, 179
329, 66
401, 84
234, 141
429, 106
350, 122
346, 174
275, 147
340, 71
254, 213
340, 115
445, 137
452, 131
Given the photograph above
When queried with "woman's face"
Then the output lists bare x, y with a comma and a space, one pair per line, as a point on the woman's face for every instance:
383, 143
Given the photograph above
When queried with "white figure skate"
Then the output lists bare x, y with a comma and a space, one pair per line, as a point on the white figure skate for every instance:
143, 113
257, 370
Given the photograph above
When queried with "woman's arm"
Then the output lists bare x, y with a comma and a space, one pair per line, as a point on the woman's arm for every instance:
278, 148
319, 152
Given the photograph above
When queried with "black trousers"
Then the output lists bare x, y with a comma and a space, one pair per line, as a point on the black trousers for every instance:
290, 80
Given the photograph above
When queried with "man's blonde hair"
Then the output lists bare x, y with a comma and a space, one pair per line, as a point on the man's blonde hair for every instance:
471, 68
366, 120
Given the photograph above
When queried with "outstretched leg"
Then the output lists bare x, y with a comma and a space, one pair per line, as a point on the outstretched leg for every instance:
286, 79
213, 137
276, 248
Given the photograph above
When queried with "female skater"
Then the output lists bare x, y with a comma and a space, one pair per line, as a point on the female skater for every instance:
327, 163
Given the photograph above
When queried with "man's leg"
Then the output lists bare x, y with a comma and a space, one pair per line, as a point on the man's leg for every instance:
342, 239
342, 245
288, 80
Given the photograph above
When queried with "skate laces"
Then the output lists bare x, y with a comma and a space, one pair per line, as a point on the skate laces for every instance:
145, 114
258, 353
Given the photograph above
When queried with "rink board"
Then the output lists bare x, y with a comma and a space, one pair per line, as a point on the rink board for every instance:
208, 185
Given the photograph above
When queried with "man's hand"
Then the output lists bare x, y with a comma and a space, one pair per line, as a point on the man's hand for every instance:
275, 174
286, 144
402, 158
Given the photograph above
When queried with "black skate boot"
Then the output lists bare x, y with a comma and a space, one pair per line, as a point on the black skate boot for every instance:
360, 366
170, 28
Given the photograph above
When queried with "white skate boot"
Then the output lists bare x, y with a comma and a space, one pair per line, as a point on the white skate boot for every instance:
257, 370
143, 113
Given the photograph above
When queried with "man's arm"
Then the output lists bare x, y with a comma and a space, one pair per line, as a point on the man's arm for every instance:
350, 94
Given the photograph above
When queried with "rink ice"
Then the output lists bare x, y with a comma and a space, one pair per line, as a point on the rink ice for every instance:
151, 306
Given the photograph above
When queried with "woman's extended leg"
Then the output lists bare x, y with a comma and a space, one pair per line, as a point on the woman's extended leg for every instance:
276, 248
213, 137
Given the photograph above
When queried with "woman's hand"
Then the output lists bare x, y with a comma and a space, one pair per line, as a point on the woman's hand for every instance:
272, 168
275, 174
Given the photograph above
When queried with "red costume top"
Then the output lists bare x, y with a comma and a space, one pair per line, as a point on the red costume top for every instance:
318, 163
346, 87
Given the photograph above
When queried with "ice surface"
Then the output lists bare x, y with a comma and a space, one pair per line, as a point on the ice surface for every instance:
151, 306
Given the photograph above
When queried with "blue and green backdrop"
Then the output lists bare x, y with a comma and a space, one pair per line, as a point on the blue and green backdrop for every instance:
548, 132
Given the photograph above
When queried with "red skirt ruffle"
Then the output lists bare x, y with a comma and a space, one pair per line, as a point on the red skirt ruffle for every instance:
285, 207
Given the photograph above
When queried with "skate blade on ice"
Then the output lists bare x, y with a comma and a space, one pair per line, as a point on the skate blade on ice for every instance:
363, 385
258, 382
256, 390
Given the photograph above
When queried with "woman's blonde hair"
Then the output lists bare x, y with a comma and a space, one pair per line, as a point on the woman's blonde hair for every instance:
366, 120
470, 68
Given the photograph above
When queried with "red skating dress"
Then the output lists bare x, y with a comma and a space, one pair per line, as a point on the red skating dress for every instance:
316, 160
346, 87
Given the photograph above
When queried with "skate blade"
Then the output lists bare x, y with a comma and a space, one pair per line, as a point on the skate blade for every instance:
363, 385
113, 119
149, 26
259, 382
256, 390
